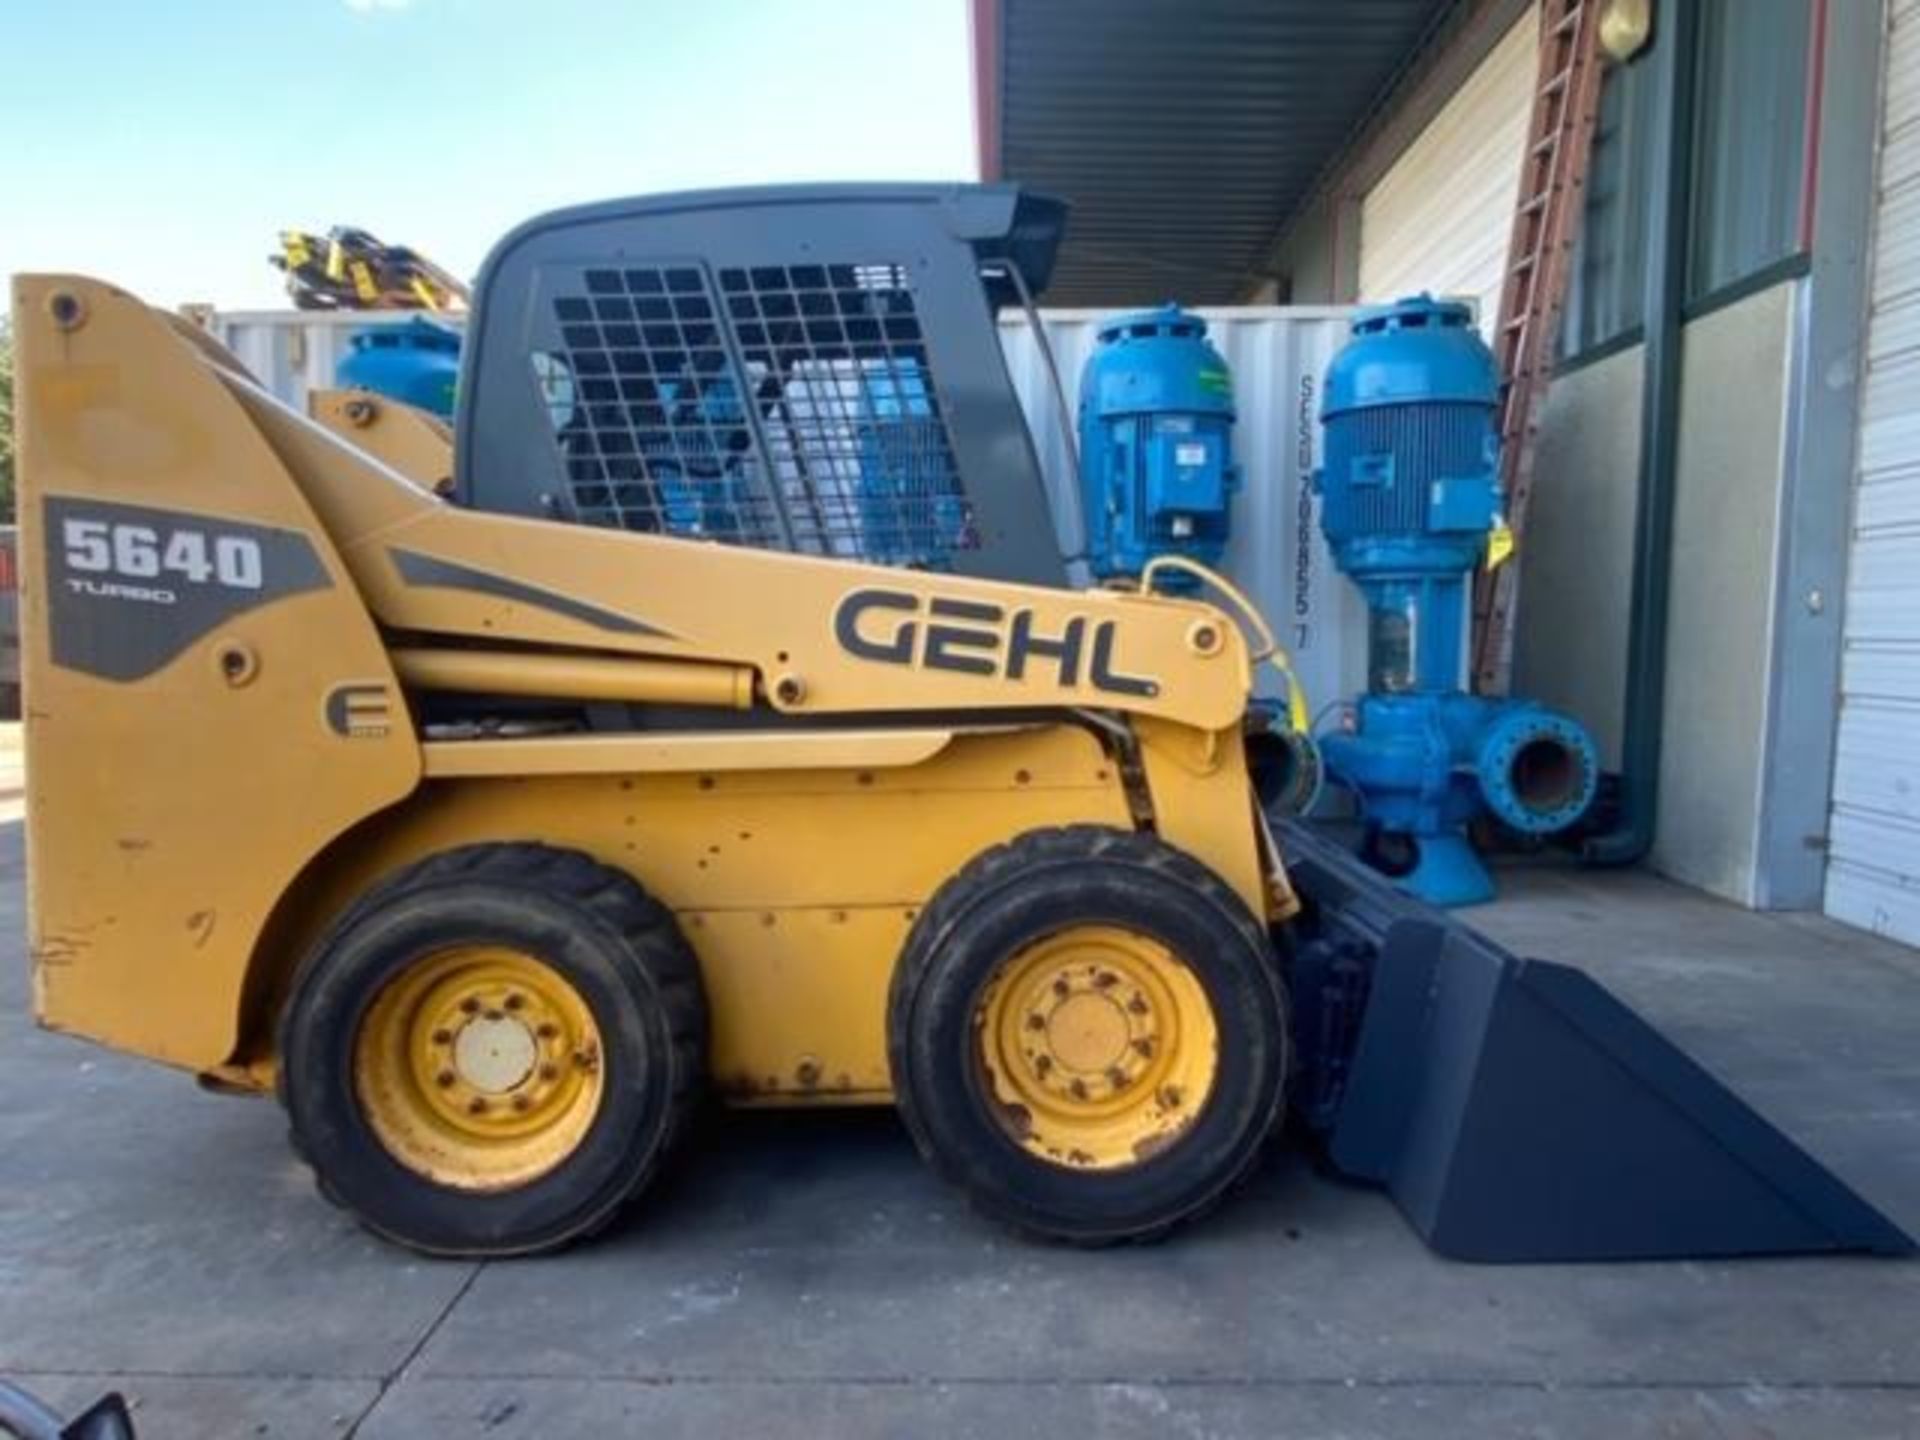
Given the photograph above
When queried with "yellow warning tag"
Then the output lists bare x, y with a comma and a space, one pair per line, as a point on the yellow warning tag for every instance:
1499, 544
1297, 715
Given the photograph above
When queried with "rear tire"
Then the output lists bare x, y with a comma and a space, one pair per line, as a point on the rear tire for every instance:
493, 1050
1088, 1035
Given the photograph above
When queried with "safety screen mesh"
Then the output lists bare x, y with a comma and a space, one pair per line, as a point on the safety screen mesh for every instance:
793, 409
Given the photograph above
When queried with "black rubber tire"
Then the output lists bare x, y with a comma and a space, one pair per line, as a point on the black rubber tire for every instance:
1014, 895
623, 953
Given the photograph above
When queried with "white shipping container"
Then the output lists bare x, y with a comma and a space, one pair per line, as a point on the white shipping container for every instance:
1278, 356
294, 351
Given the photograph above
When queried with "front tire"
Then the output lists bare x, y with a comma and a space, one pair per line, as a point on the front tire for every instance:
494, 1050
1088, 1035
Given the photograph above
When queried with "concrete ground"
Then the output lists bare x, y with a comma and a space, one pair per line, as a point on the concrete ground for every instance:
801, 1276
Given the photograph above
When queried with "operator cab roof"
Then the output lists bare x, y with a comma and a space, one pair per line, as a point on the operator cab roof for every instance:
1003, 223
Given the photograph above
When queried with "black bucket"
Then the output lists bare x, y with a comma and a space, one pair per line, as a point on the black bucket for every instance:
1516, 1110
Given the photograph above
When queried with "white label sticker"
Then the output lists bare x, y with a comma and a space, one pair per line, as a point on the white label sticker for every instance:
1189, 455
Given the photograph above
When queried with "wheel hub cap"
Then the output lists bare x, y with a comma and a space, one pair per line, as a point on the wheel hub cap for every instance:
1088, 1032
1097, 1045
494, 1055
479, 1068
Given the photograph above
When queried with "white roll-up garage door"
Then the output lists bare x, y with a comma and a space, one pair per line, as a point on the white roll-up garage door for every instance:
1440, 219
1873, 875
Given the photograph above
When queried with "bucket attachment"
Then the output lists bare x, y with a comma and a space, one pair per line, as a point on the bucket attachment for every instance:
1516, 1110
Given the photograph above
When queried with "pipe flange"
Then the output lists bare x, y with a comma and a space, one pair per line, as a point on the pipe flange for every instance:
1538, 770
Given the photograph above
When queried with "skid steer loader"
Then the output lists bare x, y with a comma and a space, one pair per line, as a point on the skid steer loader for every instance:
492, 830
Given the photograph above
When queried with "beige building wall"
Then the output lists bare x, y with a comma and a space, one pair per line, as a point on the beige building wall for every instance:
1726, 521
1440, 218
1576, 568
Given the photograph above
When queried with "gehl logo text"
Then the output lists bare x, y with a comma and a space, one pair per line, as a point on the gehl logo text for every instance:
896, 627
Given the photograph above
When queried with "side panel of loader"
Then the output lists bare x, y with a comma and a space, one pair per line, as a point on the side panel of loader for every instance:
856, 638
207, 700
795, 887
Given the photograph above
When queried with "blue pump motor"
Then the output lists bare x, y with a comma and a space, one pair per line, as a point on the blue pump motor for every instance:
1156, 444
1410, 493
417, 363
912, 511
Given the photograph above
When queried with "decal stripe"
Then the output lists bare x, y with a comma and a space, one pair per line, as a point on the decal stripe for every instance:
430, 571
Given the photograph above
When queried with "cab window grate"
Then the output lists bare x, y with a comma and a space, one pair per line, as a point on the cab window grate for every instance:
776, 406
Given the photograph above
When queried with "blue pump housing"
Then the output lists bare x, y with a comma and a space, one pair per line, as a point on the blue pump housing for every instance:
1410, 492
700, 492
1156, 444
417, 363
912, 512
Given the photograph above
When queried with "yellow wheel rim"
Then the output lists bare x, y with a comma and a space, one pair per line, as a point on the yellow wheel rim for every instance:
478, 1068
1097, 1046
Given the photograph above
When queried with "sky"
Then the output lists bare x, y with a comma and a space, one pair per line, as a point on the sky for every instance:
163, 144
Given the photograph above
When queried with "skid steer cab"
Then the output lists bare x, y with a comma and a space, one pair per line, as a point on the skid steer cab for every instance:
730, 730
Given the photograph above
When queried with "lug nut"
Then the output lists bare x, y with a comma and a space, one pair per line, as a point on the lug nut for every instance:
549, 1071
514, 1002
443, 1037
476, 1106
444, 1079
520, 1102
469, 1006
546, 1030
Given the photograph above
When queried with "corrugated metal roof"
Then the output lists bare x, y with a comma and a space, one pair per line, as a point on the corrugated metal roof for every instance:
1183, 134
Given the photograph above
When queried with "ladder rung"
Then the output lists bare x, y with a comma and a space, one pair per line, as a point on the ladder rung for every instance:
1535, 272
